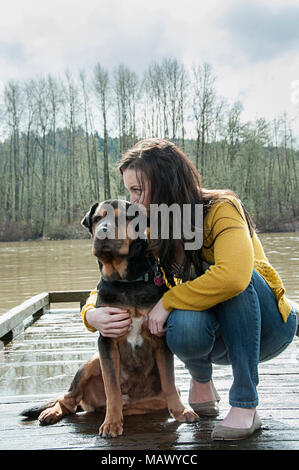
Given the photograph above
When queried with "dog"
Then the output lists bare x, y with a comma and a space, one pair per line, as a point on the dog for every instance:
132, 374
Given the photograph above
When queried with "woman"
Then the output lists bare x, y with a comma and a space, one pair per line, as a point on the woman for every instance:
229, 306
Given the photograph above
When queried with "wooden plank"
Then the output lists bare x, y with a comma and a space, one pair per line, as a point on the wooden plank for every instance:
68, 296
16, 316
41, 362
13, 322
154, 431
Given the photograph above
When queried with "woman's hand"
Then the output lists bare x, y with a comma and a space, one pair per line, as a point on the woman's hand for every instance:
111, 322
157, 318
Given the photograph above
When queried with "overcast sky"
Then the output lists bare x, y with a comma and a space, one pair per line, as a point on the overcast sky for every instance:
252, 45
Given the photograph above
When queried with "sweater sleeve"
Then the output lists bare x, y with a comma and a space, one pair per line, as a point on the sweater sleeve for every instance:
233, 263
90, 304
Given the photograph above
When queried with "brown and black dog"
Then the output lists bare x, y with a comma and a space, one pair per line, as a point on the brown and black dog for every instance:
133, 374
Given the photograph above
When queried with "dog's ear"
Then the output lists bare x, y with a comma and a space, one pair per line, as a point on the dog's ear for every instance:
87, 220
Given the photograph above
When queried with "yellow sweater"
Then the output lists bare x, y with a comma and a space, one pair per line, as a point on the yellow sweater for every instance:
233, 256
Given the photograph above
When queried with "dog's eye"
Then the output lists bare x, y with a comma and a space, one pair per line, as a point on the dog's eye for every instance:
96, 219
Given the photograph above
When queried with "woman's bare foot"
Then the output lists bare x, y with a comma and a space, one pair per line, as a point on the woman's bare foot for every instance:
202, 392
239, 418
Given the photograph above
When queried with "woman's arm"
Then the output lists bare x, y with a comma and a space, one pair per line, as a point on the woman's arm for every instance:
89, 305
233, 263
111, 322
157, 319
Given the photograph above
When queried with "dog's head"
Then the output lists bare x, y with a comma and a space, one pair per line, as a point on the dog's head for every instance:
118, 229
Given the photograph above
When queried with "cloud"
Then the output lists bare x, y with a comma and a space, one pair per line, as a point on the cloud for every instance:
251, 44
13, 52
261, 32
114, 43
71, 34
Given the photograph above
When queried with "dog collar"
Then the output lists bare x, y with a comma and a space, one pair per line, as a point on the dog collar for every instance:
154, 274
145, 277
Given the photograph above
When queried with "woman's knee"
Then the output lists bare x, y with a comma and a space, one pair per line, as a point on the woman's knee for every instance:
190, 333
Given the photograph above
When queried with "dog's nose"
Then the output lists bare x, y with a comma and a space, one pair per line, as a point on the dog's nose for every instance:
104, 231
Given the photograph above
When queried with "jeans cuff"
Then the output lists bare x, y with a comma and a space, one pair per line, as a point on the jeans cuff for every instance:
244, 404
202, 381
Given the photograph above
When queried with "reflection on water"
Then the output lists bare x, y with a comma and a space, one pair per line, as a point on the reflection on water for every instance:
28, 268
282, 250
44, 359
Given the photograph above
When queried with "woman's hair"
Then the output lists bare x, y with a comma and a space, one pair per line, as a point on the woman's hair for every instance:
172, 178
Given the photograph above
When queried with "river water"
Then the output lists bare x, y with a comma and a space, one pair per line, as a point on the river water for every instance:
29, 268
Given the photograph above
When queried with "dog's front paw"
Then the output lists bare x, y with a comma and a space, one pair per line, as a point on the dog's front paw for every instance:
111, 429
184, 416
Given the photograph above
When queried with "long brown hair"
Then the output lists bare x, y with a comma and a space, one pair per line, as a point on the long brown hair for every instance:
172, 178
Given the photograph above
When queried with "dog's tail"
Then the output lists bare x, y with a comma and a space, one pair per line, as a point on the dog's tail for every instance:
35, 411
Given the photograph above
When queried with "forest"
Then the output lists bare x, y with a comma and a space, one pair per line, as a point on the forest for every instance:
61, 138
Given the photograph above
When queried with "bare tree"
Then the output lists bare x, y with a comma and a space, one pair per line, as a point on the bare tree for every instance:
29, 154
291, 182
72, 108
203, 84
101, 83
155, 123
51, 152
234, 128
86, 109
42, 105
175, 78
55, 102
13, 99
126, 88
165, 87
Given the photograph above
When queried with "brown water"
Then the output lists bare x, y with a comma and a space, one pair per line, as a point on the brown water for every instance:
28, 268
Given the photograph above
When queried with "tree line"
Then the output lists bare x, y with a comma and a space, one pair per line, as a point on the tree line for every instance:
61, 139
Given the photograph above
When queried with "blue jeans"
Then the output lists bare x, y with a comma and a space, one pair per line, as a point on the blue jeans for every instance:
241, 331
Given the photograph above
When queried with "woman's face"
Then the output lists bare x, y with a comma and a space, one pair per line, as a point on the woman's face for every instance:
138, 194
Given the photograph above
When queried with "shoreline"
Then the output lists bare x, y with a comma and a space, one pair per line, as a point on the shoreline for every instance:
25, 232
282, 229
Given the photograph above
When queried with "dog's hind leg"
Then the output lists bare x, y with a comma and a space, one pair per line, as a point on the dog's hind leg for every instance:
87, 377
35, 411
146, 405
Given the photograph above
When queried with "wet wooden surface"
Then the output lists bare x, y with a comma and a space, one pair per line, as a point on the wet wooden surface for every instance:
39, 365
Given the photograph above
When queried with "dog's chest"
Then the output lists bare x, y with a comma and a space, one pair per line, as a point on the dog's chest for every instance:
134, 337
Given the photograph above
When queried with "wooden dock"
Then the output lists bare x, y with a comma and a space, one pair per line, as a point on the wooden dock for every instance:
42, 348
